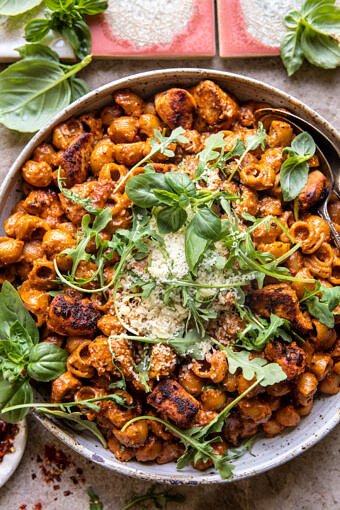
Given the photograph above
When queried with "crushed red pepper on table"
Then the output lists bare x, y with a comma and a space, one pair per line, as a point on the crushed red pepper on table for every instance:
8, 431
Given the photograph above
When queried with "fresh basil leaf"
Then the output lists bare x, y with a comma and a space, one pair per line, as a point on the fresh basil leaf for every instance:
46, 362
180, 183
319, 49
15, 7
10, 370
20, 337
37, 29
78, 88
79, 37
39, 51
291, 51
140, 189
292, 19
206, 224
326, 20
14, 393
293, 177
303, 144
195, 246
33, 90
166, 197
92, 7
12, 310
310, 6
170, 219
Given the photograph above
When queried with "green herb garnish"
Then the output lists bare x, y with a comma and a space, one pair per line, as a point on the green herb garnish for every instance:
313, 33
68, 17
37, 87
15, 7
321, 302
294, 170
158, 498
95, 503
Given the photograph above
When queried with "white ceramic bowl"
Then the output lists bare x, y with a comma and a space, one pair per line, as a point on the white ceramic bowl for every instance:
267, 453
12, 460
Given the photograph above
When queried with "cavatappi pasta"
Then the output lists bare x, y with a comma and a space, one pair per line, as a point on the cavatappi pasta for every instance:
87, 164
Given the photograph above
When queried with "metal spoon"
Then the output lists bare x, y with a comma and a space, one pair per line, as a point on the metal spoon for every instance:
330, 166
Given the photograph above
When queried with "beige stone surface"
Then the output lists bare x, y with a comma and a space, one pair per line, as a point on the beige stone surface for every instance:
309, 482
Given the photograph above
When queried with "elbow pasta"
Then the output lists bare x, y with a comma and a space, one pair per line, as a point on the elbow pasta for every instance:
95, 154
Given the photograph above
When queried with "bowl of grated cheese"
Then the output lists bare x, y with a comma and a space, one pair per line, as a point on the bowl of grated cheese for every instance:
150, 318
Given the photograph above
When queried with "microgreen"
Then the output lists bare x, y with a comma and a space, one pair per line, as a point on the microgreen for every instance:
68, 17
37, 87
313, 33
156, 497
21, 356
95, 503
294, 170
159, 144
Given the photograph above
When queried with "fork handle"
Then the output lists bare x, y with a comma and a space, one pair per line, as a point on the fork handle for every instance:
323, 211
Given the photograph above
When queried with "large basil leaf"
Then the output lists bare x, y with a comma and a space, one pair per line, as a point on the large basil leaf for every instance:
171, 219
34, 89
293, 177
180, 183
291, 51
12, 394
206, 224
46, 362
14, 7
12, 310
140, 189
320, 50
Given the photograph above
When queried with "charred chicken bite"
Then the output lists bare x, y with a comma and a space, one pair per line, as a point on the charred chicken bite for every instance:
186, 294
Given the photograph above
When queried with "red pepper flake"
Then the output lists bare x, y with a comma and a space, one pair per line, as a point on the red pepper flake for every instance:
8, 431
54, 464
22, 507
67, 493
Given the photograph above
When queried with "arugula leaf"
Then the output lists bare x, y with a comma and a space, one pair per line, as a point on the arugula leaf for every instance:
11, 394
313, 33
259, 332
13, 311
294, 170
256, 140
191, 344
46, 362
15, 7
36, 88
209, 153
266, 373
322, 307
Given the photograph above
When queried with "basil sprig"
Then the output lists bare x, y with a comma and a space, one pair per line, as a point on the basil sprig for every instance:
21, 356
294, 170
68, 18
37, 87
313, 33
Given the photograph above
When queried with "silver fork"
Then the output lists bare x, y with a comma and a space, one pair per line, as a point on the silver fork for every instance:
330, 166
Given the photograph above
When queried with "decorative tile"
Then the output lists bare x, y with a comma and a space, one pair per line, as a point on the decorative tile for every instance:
252, 27
155, 28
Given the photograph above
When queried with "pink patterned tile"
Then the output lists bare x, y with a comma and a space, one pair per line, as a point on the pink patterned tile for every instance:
251, 27
155, 28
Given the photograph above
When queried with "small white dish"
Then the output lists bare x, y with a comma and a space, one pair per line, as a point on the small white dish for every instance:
12, 460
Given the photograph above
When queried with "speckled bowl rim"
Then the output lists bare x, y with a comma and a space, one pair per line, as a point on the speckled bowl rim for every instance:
84, 103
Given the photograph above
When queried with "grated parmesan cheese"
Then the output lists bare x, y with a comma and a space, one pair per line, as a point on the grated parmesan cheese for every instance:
172, 262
